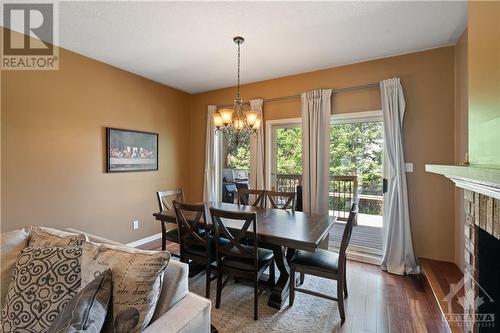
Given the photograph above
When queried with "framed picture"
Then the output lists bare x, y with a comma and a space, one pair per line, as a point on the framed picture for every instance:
128, 150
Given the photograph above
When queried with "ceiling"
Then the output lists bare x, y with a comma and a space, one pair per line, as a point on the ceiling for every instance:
188, 45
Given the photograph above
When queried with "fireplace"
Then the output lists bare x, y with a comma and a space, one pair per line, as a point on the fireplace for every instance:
482, 263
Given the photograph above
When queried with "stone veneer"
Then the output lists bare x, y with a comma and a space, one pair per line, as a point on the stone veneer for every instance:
483, 212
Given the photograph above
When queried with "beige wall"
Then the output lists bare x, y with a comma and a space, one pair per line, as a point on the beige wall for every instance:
484, 82
53, 147
428, 82
461, 141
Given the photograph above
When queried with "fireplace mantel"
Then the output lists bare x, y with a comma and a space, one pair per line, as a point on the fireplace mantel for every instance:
477, 179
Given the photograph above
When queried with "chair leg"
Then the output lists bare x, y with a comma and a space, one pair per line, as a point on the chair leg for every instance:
255, 297
207, 286
219, 287
272, 275
163, 237
345, 283
302, 277
292, 286
340, 299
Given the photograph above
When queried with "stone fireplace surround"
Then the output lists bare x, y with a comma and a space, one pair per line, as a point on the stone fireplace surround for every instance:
482, 212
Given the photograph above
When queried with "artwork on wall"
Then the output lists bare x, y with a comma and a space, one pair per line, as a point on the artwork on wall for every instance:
129, 150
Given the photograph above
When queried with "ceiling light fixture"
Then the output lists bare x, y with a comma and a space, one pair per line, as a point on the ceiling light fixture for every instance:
237, 120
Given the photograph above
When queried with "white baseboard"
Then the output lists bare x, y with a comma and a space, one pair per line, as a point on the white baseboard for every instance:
145, 240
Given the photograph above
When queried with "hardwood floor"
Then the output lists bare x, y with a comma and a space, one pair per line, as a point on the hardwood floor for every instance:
379, 302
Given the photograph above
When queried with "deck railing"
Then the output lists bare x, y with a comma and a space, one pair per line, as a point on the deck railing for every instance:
343, 190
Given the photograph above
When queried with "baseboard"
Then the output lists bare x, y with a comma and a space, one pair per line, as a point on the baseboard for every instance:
145, 240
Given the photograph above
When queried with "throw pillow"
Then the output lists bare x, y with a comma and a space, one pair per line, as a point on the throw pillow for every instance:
44, 280
136, 282
11, 245
86, 312
41, 236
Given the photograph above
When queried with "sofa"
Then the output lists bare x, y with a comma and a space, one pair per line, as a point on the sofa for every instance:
178, 310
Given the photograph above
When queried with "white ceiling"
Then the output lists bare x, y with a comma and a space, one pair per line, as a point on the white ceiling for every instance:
188, 45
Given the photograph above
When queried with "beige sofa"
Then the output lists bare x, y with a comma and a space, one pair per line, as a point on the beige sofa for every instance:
178, 310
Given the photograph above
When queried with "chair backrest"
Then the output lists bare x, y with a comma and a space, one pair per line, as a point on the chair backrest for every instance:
346, 237
235, 247
165, 198
281, 200
245, 197
190, 219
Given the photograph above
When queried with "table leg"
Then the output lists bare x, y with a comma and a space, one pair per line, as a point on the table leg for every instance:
279, 293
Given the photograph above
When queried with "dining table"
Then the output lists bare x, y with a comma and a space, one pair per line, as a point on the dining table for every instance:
282, 231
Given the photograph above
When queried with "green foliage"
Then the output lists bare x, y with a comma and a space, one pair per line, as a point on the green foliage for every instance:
237, 151
356, 149
289, 150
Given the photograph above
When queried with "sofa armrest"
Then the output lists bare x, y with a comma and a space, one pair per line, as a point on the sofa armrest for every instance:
174, 287
189, 315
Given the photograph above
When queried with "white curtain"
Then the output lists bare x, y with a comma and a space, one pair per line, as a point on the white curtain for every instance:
257, 150
399, 257
316, 111
211, 141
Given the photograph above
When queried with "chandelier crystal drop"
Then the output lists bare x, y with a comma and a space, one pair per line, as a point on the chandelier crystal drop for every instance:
239, 119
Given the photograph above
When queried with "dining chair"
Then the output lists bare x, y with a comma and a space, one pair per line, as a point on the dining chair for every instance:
281, 200
325, 264
165, 202
196, 243
249, 197
235, 258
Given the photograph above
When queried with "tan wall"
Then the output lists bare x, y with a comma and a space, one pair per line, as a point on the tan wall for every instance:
428, 82
461, 141
53, 147
484, 82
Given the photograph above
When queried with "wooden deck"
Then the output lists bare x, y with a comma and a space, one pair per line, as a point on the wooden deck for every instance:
363, 239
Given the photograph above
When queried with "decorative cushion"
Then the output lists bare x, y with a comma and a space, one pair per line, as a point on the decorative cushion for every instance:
44, 280
87, 311
136, 282
11, 245
52, 237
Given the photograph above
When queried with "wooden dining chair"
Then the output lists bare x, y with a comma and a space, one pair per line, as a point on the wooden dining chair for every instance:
165, 202
281, 200
196, 243
235, 258
249, 197
326, 264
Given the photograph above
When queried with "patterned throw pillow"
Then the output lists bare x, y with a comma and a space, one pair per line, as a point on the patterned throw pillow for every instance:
86, 312
136, 282
43, 282
52, 237
11, 245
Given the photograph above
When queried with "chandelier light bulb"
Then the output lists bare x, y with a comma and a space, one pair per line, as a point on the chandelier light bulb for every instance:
251, 117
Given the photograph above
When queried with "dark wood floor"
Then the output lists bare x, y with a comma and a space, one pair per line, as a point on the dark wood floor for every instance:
378, 301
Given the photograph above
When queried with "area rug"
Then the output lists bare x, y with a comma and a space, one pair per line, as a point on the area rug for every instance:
308, 313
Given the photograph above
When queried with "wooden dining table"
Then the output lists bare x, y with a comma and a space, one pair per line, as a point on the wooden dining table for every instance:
283, 231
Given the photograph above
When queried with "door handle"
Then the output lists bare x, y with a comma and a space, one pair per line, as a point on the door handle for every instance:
385, 183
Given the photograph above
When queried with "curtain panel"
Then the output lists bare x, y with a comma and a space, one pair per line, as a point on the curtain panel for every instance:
257, 180
211, 141
398, 254
316, 113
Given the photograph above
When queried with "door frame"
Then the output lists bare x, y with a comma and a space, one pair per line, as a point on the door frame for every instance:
270, 147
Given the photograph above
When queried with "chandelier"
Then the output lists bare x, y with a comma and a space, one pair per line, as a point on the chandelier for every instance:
237, 120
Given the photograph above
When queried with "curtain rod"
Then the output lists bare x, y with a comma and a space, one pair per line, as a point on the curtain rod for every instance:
334, 91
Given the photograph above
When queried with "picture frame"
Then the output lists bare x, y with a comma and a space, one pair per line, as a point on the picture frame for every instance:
131, 150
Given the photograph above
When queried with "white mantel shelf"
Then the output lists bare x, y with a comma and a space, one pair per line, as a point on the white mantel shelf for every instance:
477, 179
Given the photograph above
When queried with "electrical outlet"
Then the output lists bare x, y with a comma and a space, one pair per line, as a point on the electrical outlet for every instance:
135, 224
